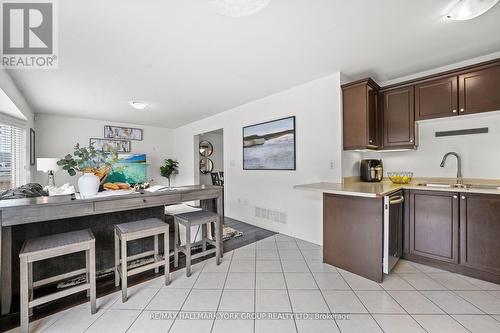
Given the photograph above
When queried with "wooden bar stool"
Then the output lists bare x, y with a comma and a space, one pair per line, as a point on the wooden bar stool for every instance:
126, 232
42, 248
189, 220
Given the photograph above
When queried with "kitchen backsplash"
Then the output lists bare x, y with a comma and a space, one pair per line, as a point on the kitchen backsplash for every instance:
480, 152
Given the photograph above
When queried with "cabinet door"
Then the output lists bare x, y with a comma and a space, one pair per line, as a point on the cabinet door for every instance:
436, 98
434, 218
480, 232
360, 115
373, 137
399, 118
480, 91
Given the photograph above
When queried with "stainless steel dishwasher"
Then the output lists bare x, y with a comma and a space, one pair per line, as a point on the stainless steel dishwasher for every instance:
393, 230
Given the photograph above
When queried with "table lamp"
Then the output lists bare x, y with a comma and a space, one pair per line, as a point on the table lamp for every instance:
50, 166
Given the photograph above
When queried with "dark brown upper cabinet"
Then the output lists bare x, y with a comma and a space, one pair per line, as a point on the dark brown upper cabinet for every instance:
436, 98
361, 115
398, 118
479, 90
480, 231
434, 225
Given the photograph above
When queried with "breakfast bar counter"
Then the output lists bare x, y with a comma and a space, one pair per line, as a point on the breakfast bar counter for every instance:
32, 217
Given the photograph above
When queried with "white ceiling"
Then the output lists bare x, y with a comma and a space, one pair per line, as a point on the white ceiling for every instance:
189, 62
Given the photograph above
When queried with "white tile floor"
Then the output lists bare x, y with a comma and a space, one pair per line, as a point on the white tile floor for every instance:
285, 276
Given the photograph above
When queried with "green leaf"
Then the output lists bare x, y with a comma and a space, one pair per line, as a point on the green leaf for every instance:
72, 172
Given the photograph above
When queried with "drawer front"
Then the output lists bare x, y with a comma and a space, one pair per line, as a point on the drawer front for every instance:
35, 214
134, 203
200, 195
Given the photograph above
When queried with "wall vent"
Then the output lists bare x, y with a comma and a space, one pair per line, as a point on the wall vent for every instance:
271, 215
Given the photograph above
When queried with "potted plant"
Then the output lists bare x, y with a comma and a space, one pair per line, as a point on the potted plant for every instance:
92, 163
168, 168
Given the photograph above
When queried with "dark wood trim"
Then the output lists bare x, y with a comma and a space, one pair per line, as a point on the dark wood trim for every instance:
364, 81
451, 72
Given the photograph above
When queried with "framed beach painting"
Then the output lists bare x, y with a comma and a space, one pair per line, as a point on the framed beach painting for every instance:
122, 133
120, 146
270, 145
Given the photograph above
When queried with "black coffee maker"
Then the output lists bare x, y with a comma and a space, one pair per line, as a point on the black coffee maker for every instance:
371, 170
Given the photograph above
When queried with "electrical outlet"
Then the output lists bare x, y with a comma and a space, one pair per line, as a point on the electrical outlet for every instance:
332, 165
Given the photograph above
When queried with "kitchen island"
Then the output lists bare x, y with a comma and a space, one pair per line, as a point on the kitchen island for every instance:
368, 226
33, 217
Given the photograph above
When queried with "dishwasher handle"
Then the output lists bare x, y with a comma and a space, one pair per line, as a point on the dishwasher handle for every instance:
396, 200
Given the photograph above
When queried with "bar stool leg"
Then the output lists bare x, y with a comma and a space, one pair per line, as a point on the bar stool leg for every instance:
30, 285
176, 242
157, 269
87, 269
188, 250
166, 246
24, 294
91, 270
203, 237
217, 241
117, 259
124, 269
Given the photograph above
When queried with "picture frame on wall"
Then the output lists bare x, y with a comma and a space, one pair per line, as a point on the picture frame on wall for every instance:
270, 145
32, 147
123, 133
121, 146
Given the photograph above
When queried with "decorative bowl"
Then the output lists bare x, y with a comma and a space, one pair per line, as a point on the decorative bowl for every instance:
400, 177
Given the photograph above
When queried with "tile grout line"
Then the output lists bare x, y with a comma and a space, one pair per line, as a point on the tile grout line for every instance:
222, 292
420, 293
286, 284
317, 285
185, 299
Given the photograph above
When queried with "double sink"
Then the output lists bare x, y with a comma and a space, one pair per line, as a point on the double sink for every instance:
462, 186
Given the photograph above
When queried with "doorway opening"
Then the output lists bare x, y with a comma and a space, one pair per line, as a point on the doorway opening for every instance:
209, 158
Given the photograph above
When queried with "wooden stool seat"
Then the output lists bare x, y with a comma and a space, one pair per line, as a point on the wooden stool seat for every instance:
188, 220
47, 247
130, 231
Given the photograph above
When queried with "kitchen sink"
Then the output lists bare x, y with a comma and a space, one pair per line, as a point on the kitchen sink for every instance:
466, 186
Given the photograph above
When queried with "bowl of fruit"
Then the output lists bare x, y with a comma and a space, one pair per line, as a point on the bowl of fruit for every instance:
400, 177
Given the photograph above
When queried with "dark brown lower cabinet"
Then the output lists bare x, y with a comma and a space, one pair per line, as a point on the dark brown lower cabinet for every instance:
352, 234
434, 223
480, 232
459, 232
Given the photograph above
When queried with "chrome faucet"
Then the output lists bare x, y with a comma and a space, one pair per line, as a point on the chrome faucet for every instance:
460, 180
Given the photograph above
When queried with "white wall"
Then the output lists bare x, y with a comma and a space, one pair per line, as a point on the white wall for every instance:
15, 95
480, 152
217, 156
316, 106
57, 135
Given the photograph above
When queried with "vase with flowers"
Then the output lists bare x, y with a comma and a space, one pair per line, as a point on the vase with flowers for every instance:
93, 164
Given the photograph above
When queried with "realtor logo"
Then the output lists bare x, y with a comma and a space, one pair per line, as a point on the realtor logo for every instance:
28, 35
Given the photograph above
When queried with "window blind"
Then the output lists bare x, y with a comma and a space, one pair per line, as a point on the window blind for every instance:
12, 156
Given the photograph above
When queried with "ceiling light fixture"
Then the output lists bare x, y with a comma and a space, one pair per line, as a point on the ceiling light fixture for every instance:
238, 8
138, 105
469, 9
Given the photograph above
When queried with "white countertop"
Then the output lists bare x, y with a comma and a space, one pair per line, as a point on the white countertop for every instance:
380, 189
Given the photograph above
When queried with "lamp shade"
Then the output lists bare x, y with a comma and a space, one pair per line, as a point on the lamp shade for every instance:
47, 164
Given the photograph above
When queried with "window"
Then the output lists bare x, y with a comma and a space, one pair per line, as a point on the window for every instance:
12, 156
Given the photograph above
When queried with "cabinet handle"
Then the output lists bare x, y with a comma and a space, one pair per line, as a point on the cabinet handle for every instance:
462, 110
454, 111
144, 200
411, 140
463, 197
455, 197
370, 141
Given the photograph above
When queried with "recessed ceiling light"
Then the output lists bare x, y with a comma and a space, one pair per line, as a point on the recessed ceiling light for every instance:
139, 105
238, 8
469, 9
